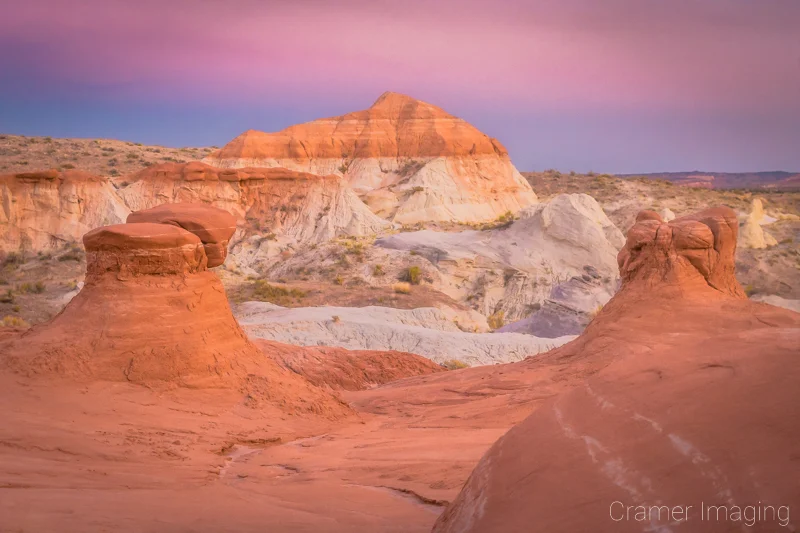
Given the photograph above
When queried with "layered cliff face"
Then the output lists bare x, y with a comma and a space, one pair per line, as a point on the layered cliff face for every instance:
683, 403
44, 210
301, 206
410, 160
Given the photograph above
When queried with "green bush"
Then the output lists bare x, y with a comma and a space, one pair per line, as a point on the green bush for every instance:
412, 275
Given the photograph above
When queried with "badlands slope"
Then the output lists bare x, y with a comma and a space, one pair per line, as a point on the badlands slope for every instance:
411, 161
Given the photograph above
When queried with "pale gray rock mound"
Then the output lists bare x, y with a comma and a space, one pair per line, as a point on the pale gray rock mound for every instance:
510, 270
424, 331
751, 234
569, 308
777, 301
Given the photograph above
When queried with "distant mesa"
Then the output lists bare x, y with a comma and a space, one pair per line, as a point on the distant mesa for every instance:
409, 160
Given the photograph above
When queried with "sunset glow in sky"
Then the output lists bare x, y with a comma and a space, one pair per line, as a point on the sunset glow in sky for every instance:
611, 85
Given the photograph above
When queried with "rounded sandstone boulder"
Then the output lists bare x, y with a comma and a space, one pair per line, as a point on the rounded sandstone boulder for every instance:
143, 249
212, 225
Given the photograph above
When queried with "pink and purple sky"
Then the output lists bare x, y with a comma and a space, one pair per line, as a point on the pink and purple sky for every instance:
612, 85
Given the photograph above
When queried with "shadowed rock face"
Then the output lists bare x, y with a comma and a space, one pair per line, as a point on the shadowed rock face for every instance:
214, 227
683, 402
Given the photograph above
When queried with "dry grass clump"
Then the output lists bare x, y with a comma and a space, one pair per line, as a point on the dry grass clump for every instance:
402, 287
265, 292
454, 364
10, 321
496, 320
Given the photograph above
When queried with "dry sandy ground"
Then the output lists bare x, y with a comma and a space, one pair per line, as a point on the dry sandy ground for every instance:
103, 157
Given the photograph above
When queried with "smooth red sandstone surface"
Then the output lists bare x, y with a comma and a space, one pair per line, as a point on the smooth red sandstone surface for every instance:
341, 369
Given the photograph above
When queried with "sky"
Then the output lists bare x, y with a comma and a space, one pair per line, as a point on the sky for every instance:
620, 86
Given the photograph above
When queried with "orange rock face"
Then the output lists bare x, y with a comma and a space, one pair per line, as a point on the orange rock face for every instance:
689, 252
394, 126
428, 164
684, 406
299, 205
45, 210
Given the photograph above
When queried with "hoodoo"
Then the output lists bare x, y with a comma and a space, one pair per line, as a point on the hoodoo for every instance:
152, 313
411, 161
681, 366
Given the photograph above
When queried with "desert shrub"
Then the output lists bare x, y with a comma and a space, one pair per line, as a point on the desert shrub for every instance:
72, 255
336, 319
7, 297
596, 311
418, 189
132, 155
112, 162
412, 275
34, 288
67, 166
343, 169
265, 292
496, 320
354, 248
13, 259
454, 364
377, 270
10, 321
339, 280
48, 139
402, 287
